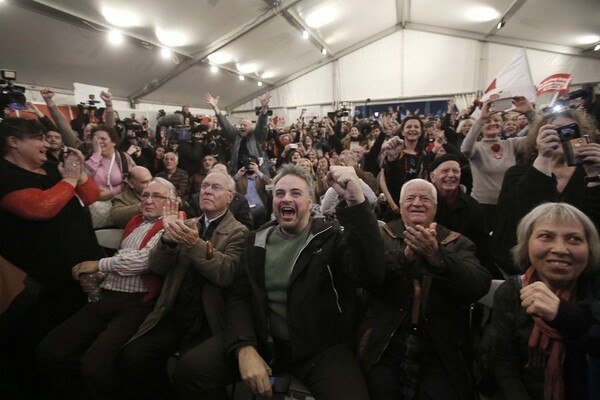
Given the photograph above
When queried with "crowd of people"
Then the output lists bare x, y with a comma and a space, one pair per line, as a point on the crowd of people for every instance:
337, 257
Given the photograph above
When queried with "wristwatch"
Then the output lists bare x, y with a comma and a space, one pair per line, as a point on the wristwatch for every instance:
588, 179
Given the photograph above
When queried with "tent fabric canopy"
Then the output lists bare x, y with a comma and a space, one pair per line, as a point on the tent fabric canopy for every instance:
381, 49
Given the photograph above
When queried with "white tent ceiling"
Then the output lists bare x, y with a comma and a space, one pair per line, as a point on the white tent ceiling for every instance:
58, 42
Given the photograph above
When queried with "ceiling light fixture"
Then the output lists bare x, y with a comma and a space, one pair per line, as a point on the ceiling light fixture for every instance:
214, 69
246, 68
115, 37
324, 51
241, 77
597, 47
501, 24
305, 35
483, 14
219, 58
588, 39
121, 18
165, 53
259, 83
171, 38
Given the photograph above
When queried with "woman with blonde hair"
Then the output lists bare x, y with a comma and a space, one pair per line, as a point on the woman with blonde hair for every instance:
545, 175
543, 322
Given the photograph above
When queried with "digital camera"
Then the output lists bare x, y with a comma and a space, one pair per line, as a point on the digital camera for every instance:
571, 139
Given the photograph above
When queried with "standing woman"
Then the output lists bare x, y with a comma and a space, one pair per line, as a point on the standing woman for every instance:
405, 160
491, 157
44, 231
108, 168
546, 320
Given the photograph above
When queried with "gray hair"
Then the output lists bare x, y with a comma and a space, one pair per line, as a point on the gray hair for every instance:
558, 213
230, 181
162, 181
291, 169
413, 182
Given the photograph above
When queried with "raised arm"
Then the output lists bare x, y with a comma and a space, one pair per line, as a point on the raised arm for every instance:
69, 137
109, 111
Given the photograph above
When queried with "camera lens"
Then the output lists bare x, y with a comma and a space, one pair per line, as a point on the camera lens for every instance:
567, 134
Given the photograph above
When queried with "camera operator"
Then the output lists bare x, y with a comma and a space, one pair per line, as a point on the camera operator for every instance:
251, 182
136, 143
191, 151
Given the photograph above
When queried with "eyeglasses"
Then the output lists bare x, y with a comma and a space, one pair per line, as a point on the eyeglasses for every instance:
153, 196
215, 187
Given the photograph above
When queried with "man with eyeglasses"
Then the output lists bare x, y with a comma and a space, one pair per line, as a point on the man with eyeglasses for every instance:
415, 343
198, 259
80, 355
293, 309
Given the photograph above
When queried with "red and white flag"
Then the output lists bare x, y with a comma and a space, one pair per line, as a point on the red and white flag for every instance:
557, 83
513, 80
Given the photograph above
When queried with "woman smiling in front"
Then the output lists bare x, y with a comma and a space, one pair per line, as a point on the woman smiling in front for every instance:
545, 176
542, 321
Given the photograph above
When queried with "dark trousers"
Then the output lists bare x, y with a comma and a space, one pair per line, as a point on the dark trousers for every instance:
20, 375
80, 355
143, 362
332, 374
388, 378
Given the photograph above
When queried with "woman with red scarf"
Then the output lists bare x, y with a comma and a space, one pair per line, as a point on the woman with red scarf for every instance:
543, 322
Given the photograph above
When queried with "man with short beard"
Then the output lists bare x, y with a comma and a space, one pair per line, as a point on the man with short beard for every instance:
56, 150
293, 307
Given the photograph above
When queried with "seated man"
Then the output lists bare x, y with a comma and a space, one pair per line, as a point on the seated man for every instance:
414, 338
460, 212
126, 204
238, 206
197, 259
208, 161
80, 355
176, 176
295, 304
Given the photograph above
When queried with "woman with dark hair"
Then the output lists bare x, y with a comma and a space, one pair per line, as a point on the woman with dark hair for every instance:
109, 168
45, 232
405, 159
546, 176
543, 322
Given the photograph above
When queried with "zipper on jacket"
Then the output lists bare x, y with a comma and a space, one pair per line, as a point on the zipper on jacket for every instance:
337, 298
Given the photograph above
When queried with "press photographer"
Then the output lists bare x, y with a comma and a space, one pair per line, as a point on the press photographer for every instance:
191, 151
135, 142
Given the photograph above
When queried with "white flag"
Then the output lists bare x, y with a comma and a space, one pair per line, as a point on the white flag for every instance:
514, 80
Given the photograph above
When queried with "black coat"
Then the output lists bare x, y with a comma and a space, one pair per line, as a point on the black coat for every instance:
524, 188
444, 321
321, 299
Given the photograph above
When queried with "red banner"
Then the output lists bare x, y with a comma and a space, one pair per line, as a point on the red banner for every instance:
555, 83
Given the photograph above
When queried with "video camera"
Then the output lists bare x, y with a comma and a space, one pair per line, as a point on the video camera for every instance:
11, 96
258, 109
343, 113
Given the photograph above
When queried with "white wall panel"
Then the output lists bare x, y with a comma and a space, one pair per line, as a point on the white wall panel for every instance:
437, 64
374, 71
